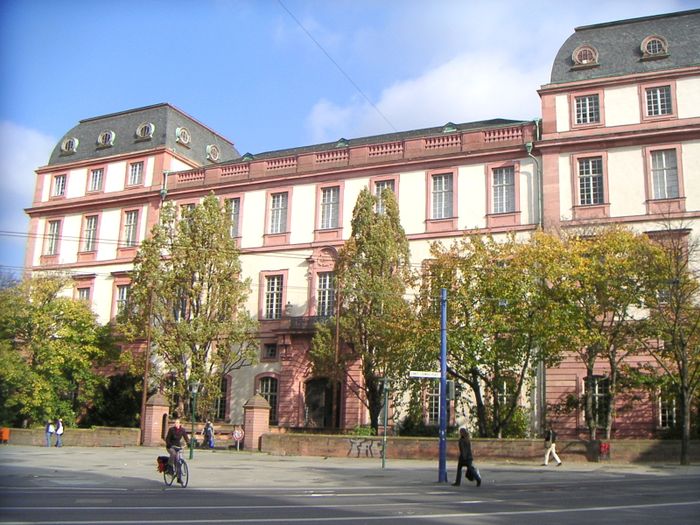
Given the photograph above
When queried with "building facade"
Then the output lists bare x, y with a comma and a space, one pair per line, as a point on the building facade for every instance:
618, 142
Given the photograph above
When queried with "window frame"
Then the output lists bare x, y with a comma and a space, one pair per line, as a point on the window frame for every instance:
643, 90
589, 211
125, 245
230, 198
129, 170
445, 223
278, 238
89, 245
263, 294
84, 282
496, 219
55, 186
600, 93
51, 248
324, 233
88, 182
274, 407
597, 397
121, 279
377, 181
327, 295
667, 205
265, 355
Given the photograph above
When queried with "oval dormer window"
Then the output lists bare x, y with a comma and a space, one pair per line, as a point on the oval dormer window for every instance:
105, 139
69, 145
585, 55
183, 136
213, 153
145, 130
654, 46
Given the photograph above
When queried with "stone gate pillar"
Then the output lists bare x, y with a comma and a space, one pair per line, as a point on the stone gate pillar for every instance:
155, 421
256, 421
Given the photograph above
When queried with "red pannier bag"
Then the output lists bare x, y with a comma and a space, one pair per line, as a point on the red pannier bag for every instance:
162, 463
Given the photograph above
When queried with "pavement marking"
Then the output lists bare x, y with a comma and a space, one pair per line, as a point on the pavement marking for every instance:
369, 518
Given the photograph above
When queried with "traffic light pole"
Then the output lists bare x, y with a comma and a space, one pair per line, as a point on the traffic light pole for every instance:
442, 476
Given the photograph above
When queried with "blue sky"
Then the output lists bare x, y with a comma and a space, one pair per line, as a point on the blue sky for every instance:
266, 74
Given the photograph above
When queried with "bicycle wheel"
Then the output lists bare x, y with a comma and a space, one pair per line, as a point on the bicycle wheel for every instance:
169, 476
184, 474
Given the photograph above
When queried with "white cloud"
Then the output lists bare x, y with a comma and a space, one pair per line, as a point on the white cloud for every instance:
22, 150
465, 89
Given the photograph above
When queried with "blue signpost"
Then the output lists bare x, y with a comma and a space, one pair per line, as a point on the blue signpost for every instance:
442, 476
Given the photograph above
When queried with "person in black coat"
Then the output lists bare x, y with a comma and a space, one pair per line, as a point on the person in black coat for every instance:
466, 459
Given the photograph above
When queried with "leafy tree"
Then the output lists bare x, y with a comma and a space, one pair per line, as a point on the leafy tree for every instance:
51, 347
187, 285
117, 403
672, 333
372, 272
612, 273
501, 320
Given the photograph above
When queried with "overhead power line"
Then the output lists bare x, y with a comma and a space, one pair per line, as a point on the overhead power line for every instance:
328, 55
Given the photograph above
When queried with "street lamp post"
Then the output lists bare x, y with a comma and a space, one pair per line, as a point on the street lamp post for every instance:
194, 388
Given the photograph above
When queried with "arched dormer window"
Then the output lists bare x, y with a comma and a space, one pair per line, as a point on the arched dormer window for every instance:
585, 56
654, 46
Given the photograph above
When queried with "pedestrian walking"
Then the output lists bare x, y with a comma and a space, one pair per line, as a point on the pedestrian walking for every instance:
466, 459
49, 431
550, 445
59, 432
208, 434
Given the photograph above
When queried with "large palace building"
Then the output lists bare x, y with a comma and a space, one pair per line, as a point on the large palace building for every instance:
618, 142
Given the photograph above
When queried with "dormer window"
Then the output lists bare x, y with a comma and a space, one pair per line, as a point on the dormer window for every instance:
585, 56
653, 47
449, 128
183, 136
213, 153
105, 139
69, 145
145, 131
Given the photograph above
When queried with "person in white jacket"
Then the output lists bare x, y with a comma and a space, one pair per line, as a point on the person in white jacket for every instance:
550, 445
59, 432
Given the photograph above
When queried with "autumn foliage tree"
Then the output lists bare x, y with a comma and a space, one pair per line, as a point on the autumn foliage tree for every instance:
187, 286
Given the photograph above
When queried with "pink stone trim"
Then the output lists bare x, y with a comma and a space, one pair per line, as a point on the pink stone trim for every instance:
503, 134
381, 150
281, 164
589, 211
499, 220
235, 170
453, 140
643, 101
664, 206
326, 157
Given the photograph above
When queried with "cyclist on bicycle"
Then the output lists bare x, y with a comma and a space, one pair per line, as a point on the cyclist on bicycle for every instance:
173, 442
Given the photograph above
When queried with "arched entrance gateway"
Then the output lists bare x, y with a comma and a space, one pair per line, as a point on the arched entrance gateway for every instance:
318, 404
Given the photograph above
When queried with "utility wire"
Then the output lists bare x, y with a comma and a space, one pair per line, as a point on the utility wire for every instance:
359, 90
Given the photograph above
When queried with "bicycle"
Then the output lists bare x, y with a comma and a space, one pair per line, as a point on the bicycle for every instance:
178, 471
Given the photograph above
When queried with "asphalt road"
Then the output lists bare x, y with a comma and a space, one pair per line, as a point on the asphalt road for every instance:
121, 486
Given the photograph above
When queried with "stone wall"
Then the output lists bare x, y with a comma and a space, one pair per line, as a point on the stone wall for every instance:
79, 437
486, 450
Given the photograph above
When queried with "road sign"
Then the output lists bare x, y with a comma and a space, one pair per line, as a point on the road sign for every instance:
423, 373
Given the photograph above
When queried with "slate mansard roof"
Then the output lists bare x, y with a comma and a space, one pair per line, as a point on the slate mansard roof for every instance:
619, 47
165, 121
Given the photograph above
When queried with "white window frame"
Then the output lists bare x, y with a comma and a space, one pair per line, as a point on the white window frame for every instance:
659, 101
664, 175
503, 188
59, 185
90, 233
96, 179
136, 170
325, 294
591, 181
379, 187
274, 296
235, 204
587, 109
131, 223
279, 203
441, 195
122, 297
330, 206
271, 395
53, 234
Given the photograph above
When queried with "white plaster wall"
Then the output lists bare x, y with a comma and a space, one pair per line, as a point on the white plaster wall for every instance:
412, 196
303, 209
114, 177
688, 97
529, 191
46, 188
565, 187
110, 222
77, 180
70, 235
472, 197
621, 106
626, 182
253, 219
691, 164
561, 104
351, 191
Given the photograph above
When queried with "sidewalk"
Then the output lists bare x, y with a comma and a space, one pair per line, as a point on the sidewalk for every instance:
217, 469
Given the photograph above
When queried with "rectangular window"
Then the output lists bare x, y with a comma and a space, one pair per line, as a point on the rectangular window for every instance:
269, 351
84, 294
135, 173
379, 187
234, 207
53, 231
278, 213
590, 177
504, 190
90, 233
326, 295
96, 177
598, 387
329, 207
442, 196
122, 297
131, 220
268, 390
587, 109
432, 415
664, 174
667, 411
273, 296
220, 404
659, 101
59, 185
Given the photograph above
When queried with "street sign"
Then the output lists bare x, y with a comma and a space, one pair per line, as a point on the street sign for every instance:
423, 373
